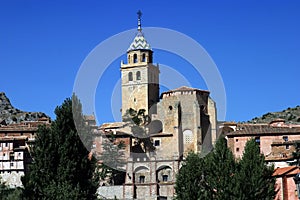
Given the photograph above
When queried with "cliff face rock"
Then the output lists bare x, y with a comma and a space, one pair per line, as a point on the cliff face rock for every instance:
290, 115
11, 115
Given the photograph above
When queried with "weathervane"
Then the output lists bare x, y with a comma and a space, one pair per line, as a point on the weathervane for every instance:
139, 13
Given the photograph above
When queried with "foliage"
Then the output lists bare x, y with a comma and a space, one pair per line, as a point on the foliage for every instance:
254, 178
296, 153
7, 193
138, 121
221, 170
190, 183
219, 176
61, 167
112, 161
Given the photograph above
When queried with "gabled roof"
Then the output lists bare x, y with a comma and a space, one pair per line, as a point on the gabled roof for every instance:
139, 43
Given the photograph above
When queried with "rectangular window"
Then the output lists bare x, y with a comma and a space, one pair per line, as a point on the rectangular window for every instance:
257, 140
285, 138
237, 149
156, 143
11, 164
287, 146
236, 140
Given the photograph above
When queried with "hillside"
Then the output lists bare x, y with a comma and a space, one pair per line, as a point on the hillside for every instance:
11, 115
291, 115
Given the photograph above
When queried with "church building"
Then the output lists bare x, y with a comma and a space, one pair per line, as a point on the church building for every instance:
181, 120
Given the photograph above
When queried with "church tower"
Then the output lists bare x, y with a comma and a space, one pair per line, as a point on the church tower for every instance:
140, 78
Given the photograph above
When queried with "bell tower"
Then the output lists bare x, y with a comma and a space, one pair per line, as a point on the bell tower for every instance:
140, 78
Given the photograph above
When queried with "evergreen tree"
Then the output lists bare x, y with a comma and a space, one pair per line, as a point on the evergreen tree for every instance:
254, 178
190, 181
221, 168
61, 167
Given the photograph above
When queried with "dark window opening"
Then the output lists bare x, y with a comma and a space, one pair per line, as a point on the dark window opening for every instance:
130, 76
236, 140
257, 140
128, 58
237, 149
165, 178
138, 75
157, 143
142, 179
285, 138
144, 58
287, 146
135, 60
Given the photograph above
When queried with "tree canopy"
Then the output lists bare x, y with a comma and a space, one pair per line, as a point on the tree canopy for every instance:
62, 167
219, 176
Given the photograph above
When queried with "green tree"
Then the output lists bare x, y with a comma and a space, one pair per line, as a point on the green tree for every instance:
192, 181
221, 171
139, 121
61, 167
254, 178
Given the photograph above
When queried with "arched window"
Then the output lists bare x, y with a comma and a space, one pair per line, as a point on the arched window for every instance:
144, 57
138, 75
130, 76
135, 58
128, 58
188, 137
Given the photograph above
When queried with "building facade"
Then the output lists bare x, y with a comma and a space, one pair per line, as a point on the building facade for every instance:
181, 120
15, 143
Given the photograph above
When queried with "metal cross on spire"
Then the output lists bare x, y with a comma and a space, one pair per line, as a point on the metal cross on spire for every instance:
139, 13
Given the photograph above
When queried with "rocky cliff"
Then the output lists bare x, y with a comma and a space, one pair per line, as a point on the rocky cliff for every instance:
290, 115
11, 115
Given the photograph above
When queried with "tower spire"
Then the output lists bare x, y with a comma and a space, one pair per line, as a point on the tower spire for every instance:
139, 13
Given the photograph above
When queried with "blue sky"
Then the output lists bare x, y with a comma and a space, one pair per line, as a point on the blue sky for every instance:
255, 45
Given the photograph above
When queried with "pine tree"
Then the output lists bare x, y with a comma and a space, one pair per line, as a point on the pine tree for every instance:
61, 168
190, 181
254, 178
221, 168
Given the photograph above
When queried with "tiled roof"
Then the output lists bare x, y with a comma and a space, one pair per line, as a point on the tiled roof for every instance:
291, 170
139, 43
255, 129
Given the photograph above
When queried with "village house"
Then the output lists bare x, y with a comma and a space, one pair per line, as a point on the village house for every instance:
15, 143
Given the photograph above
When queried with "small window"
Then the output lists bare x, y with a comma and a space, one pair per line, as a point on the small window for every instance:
237, 149
135, 60
11, 164
170, 108
285, 138
130, 76
287, 146
156, 143
138, 75
128, 58
257, 140
236, 140
144, 58
165, 178
142, 179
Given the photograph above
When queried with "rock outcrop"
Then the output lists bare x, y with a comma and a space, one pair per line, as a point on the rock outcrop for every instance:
11, 115
290, 115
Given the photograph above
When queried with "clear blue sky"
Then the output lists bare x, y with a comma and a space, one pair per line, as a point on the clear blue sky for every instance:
255, 45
